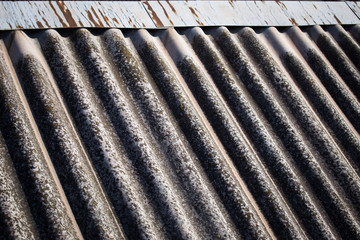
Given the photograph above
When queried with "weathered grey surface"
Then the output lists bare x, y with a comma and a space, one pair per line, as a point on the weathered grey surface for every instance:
198, 133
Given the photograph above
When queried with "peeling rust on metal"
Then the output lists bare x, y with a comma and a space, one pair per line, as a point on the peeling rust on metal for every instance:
81, 24
306, 20
157, 14
39, 24
46, 22
337, 19
156, 19
106, 19
292, 20
231, 3
131, 23
171, 6
60, 19
200, 23
115, 20
281, 4
166, 14
193, 12
67, 14
100, 23
92, 19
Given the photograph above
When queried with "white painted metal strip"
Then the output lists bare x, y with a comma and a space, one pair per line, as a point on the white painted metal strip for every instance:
158, 14
355, 7
65, 14
319, 13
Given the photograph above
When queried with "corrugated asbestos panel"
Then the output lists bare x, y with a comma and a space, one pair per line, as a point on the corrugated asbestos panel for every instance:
162, 14
197, 133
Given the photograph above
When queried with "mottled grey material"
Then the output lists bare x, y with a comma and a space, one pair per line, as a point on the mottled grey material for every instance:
86, 197
196, 133
43, 195
202, 144
16, 221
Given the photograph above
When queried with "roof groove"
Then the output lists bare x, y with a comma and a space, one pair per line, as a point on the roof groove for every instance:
165, 133
132, 134
199, 133
98, 133
39, 181
319, 181
70, 159
202, 144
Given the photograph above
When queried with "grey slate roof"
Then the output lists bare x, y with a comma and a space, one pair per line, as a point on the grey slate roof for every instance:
193, 133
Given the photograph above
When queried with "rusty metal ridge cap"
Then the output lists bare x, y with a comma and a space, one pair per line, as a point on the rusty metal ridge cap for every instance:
164, 14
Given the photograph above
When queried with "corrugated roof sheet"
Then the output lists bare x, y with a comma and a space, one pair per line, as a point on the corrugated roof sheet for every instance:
194, 133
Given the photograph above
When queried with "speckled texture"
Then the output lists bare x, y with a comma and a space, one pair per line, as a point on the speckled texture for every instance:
46, 204
86, 197
315, 175
281, 168
162, 128
16, 221
329, 114
247, 162
347, 102
136, 140
341, 63
211, 160
196, 133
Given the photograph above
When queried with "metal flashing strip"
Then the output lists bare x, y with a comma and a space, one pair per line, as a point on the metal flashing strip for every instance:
68, 14
355, 7
162, 14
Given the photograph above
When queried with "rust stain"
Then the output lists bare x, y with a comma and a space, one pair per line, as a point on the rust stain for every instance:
92, 19
39, 24
292, 20
314, 6
154, 16
66, 13
60, 19
231, 3
115, 20
306, 20
171, 6
144, 25
46, 22
81, 24
338, 20
200, 23
100, 23
131, 23
106, 19
166, 14
10, 26
281, 4
193, 12
18, 26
